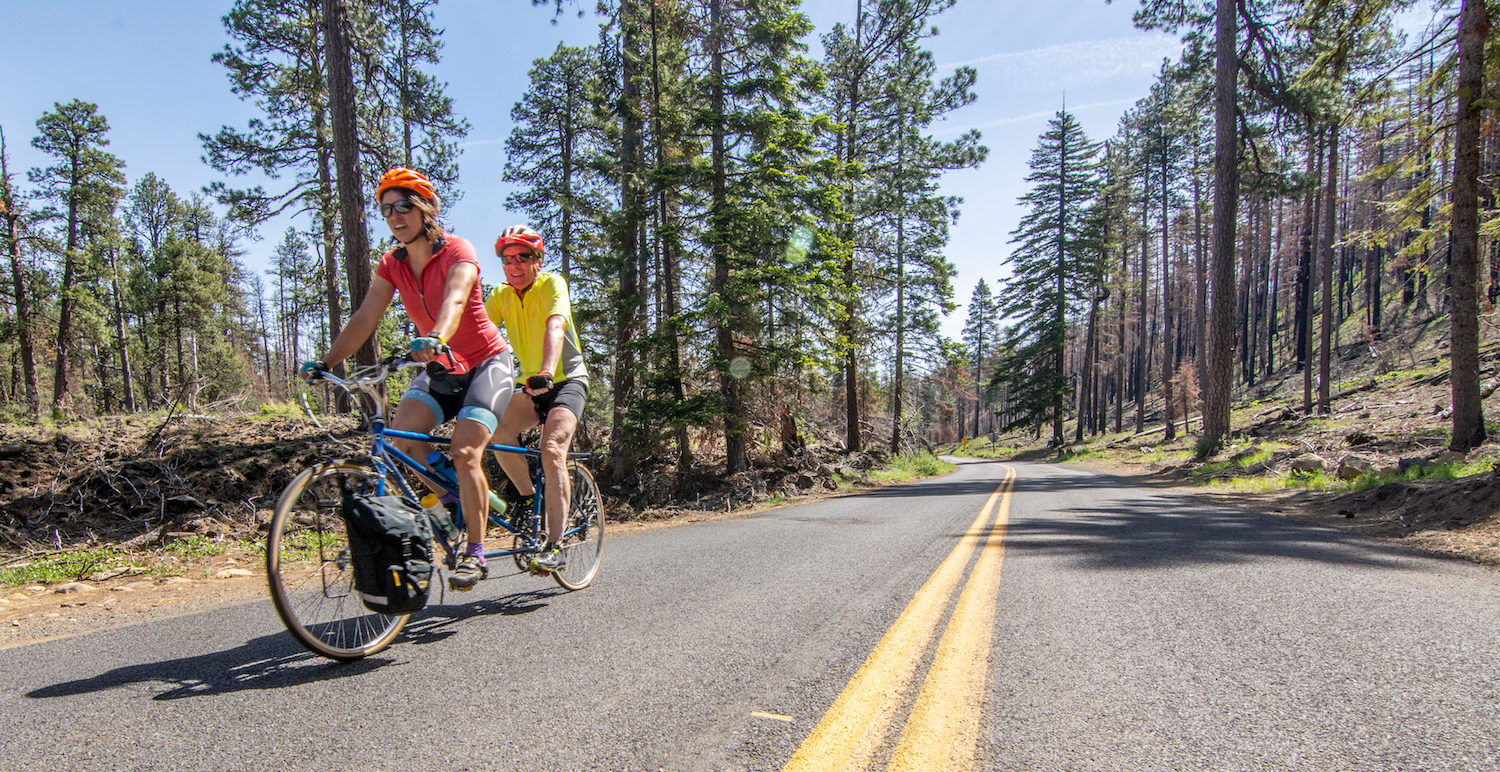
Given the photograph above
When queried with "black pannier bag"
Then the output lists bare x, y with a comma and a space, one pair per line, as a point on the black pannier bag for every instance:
390, 546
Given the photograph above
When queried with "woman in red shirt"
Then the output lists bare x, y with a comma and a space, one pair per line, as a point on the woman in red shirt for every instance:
437, 275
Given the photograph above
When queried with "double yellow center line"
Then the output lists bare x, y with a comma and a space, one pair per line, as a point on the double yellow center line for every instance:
942, 728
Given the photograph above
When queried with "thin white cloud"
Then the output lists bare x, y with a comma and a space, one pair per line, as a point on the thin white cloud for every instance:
480, 142
1030, 117
1085, 61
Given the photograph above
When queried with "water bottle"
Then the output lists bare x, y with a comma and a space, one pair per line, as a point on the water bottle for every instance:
441, 517
439, 463
497, 504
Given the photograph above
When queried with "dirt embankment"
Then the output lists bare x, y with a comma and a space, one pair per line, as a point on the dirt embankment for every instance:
134, 480
153, 487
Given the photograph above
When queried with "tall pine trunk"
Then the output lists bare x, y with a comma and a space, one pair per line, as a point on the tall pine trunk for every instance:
852, 442
1144, 333
1200, 288
65, 295
1468, 410
1166, 314
1310, 279
628, 314
669, 245
127, 388
341, 109
1218, 381
20, 287
1374, 265
1120, 364
736, 443
328, 229
24, 338
1325, 358
1086, 385
896, 385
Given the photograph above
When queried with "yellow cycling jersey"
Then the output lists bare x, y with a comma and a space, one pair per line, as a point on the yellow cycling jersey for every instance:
525, 320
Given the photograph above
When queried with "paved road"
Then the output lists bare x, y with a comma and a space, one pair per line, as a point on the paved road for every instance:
1109, 627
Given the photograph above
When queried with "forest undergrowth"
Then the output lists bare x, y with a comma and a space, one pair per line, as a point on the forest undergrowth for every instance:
123, 489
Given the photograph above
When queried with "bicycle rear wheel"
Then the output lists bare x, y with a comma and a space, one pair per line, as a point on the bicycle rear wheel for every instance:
308, 567
585, 541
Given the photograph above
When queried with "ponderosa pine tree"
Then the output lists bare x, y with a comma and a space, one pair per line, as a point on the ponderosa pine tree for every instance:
981, 327
352, 191
855, 62
760, 186
277, 60
84, 176
913, 226
18, 221
627, 227
416, 106
556, 151
1224, 22
1054, 267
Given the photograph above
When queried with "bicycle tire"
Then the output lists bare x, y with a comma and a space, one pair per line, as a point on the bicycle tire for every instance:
585, 546
307, 566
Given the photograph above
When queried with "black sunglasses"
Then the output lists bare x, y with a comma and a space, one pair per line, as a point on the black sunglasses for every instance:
400, 207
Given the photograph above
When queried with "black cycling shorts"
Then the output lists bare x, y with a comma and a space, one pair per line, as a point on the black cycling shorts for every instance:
570, 394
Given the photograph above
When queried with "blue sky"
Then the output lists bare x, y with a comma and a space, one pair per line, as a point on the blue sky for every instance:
147, 65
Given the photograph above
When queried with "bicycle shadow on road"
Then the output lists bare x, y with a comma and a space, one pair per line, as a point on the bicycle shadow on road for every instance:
276, 661
439, 620
268, 662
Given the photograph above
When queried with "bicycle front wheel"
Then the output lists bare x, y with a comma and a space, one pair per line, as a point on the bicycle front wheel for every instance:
308, 565
584, 543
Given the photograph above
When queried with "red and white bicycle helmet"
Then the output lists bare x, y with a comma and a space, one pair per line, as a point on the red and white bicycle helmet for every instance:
402, 177
520, 234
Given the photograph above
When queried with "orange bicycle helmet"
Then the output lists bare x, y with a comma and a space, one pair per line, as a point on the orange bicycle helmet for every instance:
402, 177
520, 234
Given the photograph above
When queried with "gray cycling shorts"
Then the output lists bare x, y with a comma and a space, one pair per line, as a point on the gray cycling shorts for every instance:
483, 401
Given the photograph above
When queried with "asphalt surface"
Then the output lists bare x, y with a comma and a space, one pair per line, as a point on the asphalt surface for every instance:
1133, 629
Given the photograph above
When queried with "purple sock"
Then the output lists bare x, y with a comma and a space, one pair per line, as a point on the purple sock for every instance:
448, 499
475, 550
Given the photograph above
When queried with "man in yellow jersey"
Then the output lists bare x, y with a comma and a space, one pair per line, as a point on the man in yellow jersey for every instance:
538, 318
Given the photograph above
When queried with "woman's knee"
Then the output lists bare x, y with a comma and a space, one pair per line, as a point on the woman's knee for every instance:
468, 457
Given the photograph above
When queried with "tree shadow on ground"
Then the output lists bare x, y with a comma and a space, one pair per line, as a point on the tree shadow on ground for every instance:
1151, 530
1134, 522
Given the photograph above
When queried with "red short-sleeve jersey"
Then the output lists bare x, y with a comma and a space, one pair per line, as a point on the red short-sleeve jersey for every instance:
477, 338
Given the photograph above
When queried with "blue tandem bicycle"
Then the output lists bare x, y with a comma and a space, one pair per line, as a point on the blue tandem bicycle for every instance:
307, 550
